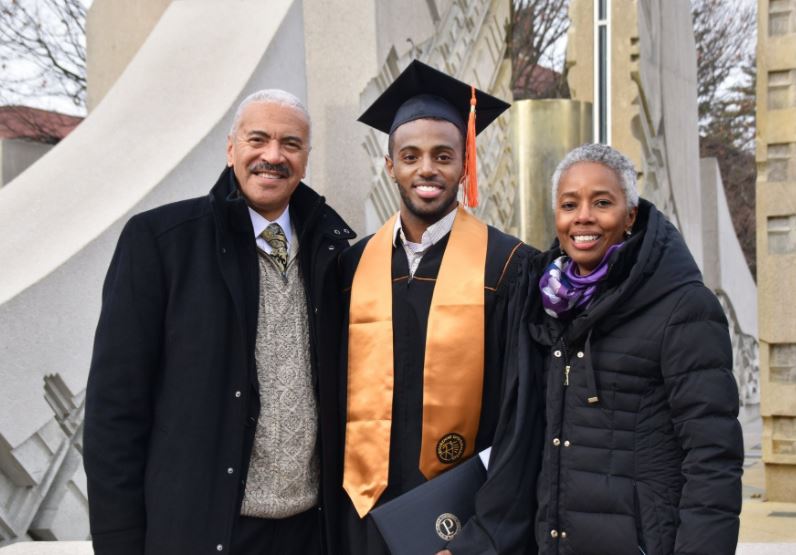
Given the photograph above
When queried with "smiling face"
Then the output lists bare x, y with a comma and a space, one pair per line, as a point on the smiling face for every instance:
268, 152
591, 213
427, 163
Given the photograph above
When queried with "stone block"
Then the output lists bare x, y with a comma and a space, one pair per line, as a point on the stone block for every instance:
781, 17
779, 128
781, 89
781, 162
779, 440
781, 234
781, 482
782, 363
780, 52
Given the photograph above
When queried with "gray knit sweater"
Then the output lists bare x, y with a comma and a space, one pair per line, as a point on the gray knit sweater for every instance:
284, 468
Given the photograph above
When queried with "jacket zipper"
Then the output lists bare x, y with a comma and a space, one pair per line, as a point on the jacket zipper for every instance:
557, 524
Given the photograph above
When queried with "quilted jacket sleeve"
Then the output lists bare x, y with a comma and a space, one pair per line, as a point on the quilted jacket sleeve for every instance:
697, 369
118, 397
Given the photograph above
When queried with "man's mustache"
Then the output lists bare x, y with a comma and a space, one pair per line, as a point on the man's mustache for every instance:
281, 169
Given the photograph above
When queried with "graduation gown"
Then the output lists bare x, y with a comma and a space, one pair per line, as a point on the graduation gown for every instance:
411, 300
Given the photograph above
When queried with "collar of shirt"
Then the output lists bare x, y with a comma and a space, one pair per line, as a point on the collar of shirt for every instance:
259, 224
431, 236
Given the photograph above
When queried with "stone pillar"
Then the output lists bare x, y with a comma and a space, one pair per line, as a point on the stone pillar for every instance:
115, 30
776, 241
543, 131
340, 44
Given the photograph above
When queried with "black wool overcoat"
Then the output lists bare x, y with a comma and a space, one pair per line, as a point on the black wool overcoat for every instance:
652, 463
173, 398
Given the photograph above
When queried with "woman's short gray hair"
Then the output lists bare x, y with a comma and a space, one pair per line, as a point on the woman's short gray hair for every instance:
607, 156
277, 96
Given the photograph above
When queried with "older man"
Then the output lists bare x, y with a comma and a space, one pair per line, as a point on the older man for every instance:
209, 389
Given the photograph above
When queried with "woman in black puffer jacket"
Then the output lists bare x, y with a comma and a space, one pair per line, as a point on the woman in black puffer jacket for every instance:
643, 450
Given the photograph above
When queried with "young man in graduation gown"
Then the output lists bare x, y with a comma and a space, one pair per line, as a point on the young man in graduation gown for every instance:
427, 326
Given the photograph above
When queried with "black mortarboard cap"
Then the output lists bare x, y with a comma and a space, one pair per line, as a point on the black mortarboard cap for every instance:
424, 92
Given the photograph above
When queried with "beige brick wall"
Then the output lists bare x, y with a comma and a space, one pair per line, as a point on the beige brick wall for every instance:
776, 241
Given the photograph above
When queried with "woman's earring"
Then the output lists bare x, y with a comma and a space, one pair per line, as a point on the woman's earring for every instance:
628, 233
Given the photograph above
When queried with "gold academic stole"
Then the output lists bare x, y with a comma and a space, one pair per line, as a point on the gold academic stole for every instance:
453, 371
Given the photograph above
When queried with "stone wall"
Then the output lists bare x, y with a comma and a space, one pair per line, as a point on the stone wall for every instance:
468, 42
776, 240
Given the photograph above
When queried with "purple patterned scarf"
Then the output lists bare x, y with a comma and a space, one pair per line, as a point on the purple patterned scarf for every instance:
563, 290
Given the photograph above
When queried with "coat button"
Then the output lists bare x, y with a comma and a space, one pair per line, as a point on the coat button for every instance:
219, 547
557, 354
346, 230
554, 533
580, 354
237, 394
337, 232
230, 470
331, 247
563, 535
556, 441
566, 444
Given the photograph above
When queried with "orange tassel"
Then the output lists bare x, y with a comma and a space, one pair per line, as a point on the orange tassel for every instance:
470, 161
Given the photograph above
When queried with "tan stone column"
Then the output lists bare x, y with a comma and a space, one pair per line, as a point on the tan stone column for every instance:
115, 30
543, 131
776, 241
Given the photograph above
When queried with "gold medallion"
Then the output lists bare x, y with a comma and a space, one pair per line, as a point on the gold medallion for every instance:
450, 448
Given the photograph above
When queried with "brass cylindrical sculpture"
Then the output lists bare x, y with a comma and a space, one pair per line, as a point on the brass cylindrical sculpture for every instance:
543, 131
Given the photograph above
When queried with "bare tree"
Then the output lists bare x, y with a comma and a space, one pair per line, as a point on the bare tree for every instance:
43, 50
42, 58
537, 26
739, 174
725, 40
725, 35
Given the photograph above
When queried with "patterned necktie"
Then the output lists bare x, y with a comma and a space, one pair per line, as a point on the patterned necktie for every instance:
275, 237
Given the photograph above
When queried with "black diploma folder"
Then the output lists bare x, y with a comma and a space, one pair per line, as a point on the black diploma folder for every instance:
423, 520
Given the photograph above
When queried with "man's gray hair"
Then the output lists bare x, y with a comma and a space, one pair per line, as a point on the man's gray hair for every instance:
607, 156
277, 96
